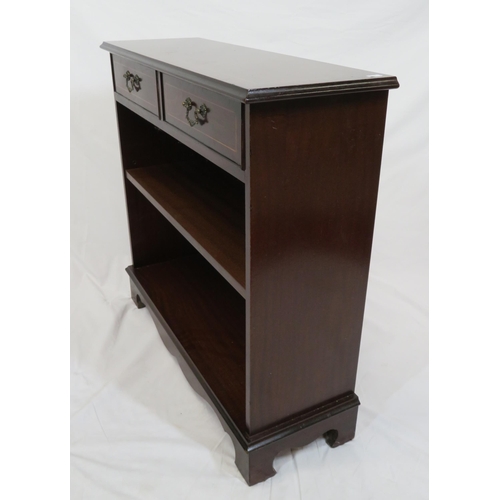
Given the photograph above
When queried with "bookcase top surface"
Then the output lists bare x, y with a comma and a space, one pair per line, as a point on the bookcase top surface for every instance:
248, 74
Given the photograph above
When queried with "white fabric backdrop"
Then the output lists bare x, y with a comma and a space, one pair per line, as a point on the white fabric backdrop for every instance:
138, 430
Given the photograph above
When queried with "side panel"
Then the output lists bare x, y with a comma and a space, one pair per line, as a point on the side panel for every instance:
312, 184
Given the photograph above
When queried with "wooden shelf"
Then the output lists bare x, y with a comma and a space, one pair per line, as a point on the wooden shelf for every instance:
208, 213
207, 317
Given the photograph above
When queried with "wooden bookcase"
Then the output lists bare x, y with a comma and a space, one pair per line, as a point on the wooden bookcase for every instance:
251, 183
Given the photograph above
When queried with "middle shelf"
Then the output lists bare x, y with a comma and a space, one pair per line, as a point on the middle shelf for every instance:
207, 208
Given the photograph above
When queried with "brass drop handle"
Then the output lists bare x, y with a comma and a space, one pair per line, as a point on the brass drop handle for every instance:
132, 81
200, 114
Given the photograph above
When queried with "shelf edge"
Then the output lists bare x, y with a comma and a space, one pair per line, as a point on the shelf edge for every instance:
198, 246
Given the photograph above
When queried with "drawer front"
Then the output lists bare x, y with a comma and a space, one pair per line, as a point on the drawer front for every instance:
136, 82
208, 117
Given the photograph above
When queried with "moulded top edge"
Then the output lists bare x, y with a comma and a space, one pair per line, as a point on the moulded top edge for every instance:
249, 75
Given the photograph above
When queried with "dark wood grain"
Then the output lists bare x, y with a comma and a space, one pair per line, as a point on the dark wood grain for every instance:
152, 237
142, 144
199, 199
173, 134
258, 287
147, 95
312, 191
247, 74
207, 317
208, 213
222, 129
255, 461
255, 454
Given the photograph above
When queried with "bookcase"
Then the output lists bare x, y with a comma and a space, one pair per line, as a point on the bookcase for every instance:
251, 184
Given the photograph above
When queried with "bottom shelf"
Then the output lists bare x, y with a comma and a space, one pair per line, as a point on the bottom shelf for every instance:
201, 319
207, 316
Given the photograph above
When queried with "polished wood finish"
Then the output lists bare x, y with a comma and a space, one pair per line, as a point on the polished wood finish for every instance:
313, 179
246, 74
254, 454
147, 95
255, 462
173, 132
135, 295
211, 215
222, 129
254, 267
207, 318
152, 237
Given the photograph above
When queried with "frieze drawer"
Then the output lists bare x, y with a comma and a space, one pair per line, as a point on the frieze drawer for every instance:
209, 117
136, 82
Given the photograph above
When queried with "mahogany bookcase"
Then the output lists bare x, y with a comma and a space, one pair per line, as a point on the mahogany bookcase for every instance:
251, 182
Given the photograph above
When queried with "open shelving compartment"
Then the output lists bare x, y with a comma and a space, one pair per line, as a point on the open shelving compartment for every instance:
187, 232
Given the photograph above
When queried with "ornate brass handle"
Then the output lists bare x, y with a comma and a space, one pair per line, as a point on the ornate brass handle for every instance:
132, 81
200, 114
